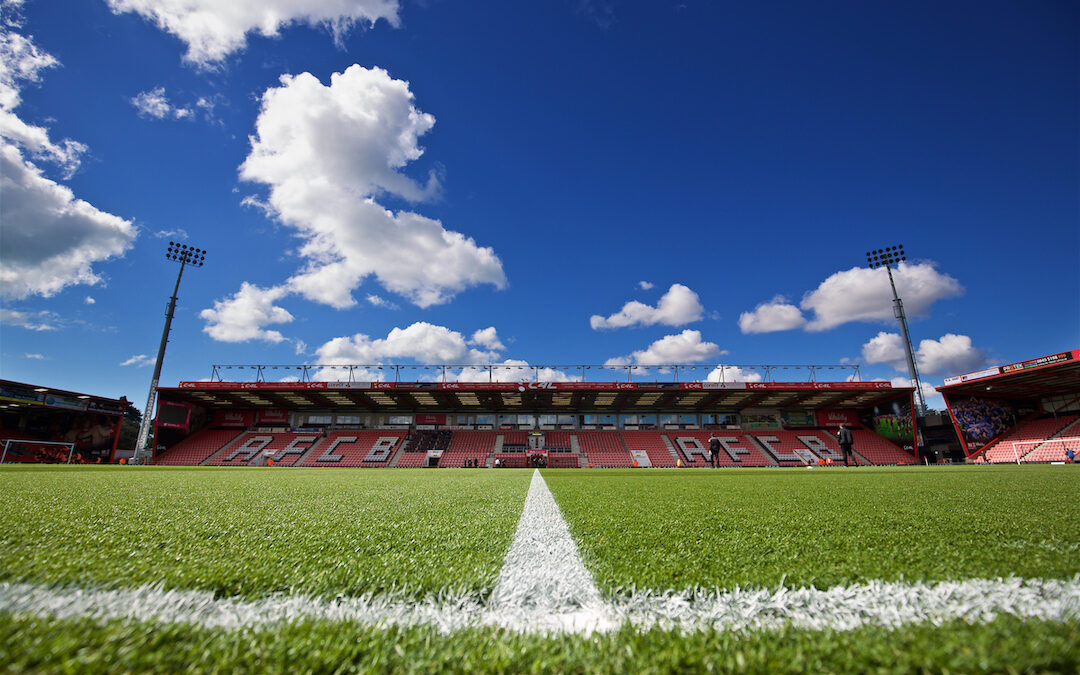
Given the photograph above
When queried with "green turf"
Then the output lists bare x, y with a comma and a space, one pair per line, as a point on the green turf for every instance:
1005, 645
252, 532
821, 527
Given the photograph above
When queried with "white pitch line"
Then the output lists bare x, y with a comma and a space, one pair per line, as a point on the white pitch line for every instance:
543, 582
888, 604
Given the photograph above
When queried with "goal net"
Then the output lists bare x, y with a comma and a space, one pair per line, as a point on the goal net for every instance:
1052, 450
22, 451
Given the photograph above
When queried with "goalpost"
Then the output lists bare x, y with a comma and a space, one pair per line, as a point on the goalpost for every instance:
41, 452
1048, 450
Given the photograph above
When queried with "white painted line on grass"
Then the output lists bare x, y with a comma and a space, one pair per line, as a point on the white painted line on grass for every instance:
543, 582
839, 608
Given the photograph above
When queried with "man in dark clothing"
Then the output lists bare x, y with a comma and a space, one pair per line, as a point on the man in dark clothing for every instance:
846, 440
714, 451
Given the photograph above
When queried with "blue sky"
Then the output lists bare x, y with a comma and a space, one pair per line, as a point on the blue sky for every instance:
568, 182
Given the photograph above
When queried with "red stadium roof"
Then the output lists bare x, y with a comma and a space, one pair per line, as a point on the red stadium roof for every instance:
21, 395
1055, 374
482, 397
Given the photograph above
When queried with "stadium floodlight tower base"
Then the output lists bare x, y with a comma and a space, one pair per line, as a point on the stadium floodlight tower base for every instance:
185, 255
887, 257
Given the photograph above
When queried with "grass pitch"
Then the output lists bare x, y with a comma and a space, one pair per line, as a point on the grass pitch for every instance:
821, 527
252, 533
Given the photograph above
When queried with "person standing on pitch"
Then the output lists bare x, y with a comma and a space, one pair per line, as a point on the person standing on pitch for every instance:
846, 441
714, 451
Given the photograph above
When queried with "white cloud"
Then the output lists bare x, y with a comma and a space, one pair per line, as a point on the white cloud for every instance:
885, 348
733, 374
244, 316
50, 239
512, 370
20, 61
857, 294
378, 301
863, 294
950, 354
645, 285
489, 338
684, 347
677, 307
930, 395
212, 29
89, 300
178, 233
155, 104
326, 153
41, 321
422, 342
35, 357
139, 361
768, 317
947, 355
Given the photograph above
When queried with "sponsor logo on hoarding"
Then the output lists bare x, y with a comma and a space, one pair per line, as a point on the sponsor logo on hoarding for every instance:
1038, 363
625, 385
382, 385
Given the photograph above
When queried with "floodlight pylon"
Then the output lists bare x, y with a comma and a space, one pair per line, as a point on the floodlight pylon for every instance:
887, 257
185, 255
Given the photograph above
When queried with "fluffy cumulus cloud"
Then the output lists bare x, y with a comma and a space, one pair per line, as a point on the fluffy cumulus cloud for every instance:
733, 374
156, 105
245, 315
775, 315
863, 294
684, 347
213, 29
948, 355
488, 338
327, 153
421, 342
885, 348
857, 294
512, 370
50, 239
679, 306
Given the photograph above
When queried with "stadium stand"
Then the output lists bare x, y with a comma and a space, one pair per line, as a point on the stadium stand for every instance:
250, 447
799, 448
564, 460
355, 448
604, 449
1002, 450
198, 447
877, 449
693, 448
652, 444
468, 445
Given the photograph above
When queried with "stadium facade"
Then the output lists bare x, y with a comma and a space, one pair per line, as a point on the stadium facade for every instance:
532, 423
1027, 411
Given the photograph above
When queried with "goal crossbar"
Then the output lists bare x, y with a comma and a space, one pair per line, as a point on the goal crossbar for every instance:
1021, 449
